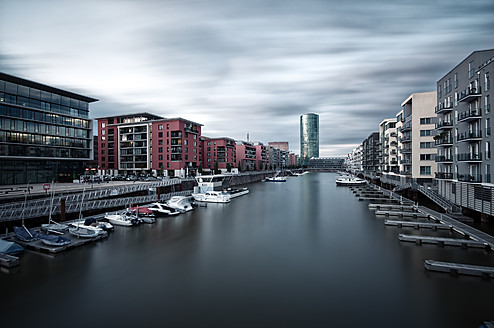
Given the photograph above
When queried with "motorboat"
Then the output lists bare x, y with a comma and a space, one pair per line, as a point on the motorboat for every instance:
92, 224
180, 203
141, 211
350, 181
163, 209
236, 192
122, 219
275, 179
211, 197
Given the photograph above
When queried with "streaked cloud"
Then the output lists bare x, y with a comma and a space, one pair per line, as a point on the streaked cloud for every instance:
246, 66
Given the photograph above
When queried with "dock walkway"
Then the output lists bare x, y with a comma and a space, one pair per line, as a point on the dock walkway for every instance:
458, 268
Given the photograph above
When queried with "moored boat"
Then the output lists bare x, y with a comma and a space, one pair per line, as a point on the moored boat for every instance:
163, 209
9, 247
211, 197
350, 181
236, 192
24, 234
53, 240
83, 232
122, 219
180, 203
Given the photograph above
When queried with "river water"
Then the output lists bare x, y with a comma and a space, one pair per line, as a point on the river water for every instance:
303, 253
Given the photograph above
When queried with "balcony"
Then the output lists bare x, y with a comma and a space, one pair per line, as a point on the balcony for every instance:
470, 136
468, 157
406, 151
447, 141
443, 159
474, 178
470, 115
394, 162
393, 134
442, 109
469, 94
405, 139
406, 127
444, 125
444, 175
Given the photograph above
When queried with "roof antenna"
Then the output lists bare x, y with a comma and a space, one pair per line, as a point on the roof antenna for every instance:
247, 136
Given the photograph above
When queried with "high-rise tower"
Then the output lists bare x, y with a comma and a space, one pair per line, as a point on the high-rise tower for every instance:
309, 137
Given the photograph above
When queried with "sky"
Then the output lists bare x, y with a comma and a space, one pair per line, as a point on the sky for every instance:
246, 66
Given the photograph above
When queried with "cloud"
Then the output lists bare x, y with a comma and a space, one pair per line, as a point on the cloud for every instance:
246, 66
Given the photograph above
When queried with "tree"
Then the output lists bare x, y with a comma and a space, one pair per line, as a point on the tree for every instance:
260, 166
216, 170
239, 166
228, 167
200, 170
255, 168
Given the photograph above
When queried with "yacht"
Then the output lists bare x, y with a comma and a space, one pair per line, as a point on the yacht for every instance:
236, 192
122, 219
275, 179
163, 209
350, 181
211, 197
180, 203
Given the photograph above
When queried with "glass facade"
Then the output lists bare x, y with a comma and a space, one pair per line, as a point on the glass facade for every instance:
309, 137
45, 133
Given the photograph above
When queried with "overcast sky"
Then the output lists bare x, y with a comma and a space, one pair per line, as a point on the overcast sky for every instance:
246, 66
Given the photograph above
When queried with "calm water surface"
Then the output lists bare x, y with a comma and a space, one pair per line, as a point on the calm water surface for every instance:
298, 254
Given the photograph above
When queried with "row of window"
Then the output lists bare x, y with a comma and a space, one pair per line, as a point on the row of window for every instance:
37, 139
33, 103
26, 126
38, 116
42, 151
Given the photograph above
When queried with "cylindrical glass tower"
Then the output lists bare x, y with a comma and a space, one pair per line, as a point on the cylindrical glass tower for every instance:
309, 137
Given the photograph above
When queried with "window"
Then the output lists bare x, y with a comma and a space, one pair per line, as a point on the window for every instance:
426, 145
487, 84
488, 150
425, 170
160, 127
426, 157
160, 134
160, 142
160, 157
160, 149
425, 133
185, 142
103, 125
487, 104
456, 80
426, 120
103, 145
470, 70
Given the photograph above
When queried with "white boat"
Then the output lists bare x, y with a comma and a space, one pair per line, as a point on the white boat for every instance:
211, 197
236, 192
350, 181
83, 232
163, 209
122, 219
180, 203
96, 226
275, 179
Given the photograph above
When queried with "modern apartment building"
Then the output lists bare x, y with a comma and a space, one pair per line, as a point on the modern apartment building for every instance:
463, 133
218, 150
283, 145
144, 143
246, 155
309, 137
370, 158
354, 160
388, 146
45, 132
327, 163
261, 155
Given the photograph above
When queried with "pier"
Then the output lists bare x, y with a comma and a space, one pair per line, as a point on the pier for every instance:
8, 261
414, 215
393, 207
418, 225
444, 241
458, 268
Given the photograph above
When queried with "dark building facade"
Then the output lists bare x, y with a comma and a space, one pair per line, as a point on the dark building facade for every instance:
45, 133
370, 158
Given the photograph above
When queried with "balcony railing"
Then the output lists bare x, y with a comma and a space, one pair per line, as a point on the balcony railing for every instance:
444, 175
444, 108
469, 94
444, 141
448, 158
406, 150
444, 125
406, 139
468, 157
472, 136
470, 115
476, 178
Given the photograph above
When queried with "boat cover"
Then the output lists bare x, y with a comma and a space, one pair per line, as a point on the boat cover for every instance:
24, 234
9, 247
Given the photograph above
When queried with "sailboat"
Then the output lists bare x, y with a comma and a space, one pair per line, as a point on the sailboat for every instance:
53, 226
23, 233
80, 231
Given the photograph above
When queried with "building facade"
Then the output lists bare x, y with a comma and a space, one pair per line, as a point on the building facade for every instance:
327, 163
388, 146
463, 133
370, 158
45, 132
283, 145
246, 155
309, 137
261, 156
218, 152
144, 143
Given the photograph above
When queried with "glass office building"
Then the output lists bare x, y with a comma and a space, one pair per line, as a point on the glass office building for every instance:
309, 137
45, 132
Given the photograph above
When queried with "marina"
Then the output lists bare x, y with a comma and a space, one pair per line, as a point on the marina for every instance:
458, 268
418, 225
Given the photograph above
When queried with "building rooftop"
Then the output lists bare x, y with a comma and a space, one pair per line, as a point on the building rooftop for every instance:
44, 87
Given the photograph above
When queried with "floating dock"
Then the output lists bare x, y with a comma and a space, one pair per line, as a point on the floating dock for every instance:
418, 225
415, 215
393, 207
457, 268
377, 199
444, 241
41, 247
8, 261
